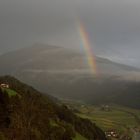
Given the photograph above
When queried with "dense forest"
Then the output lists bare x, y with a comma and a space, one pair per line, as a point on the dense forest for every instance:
30, 115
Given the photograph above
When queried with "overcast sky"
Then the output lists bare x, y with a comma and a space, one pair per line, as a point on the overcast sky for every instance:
113, 25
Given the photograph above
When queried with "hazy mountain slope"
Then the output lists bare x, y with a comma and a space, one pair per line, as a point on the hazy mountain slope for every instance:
44, 58
31, 115
65, 73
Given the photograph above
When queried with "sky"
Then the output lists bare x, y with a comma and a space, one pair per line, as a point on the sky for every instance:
113, 26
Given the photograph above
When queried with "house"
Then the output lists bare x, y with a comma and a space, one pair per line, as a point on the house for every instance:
4, 85
105, 108
112, 133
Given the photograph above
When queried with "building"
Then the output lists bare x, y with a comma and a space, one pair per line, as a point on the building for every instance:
112, 133
4, 85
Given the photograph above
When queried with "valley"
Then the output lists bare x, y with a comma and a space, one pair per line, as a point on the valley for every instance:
110, 100
118, 120
69, 69
64, 73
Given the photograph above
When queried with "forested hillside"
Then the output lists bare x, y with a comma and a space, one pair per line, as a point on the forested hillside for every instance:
30, 115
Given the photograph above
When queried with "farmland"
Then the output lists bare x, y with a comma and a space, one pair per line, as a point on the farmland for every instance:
122, 120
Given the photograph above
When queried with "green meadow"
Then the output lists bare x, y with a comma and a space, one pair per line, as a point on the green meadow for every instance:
121, 119
117, 120
10, 92
79, 137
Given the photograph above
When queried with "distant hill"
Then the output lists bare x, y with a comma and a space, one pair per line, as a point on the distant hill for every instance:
64, 73
48, 59
34, 116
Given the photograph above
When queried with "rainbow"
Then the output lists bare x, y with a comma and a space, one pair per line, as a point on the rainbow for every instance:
88, 49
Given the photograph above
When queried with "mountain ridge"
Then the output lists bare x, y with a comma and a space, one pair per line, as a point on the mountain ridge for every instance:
68, 59
35, 116
65, 73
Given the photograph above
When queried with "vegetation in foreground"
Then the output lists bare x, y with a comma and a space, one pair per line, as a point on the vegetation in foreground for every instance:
25, 114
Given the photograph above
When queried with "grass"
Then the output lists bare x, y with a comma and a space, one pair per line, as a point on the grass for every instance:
53, 123
119, 118
115, 119
2, 137
79, 137
10, 92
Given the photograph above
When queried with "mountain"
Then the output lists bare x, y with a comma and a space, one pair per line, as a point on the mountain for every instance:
30, 115
64, 73
42, 58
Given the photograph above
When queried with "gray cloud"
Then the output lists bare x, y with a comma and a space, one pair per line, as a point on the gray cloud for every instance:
113, 25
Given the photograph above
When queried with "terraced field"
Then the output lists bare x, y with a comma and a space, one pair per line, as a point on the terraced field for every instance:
118, 118
114, 119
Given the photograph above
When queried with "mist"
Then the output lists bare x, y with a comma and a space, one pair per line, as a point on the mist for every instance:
113, 26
